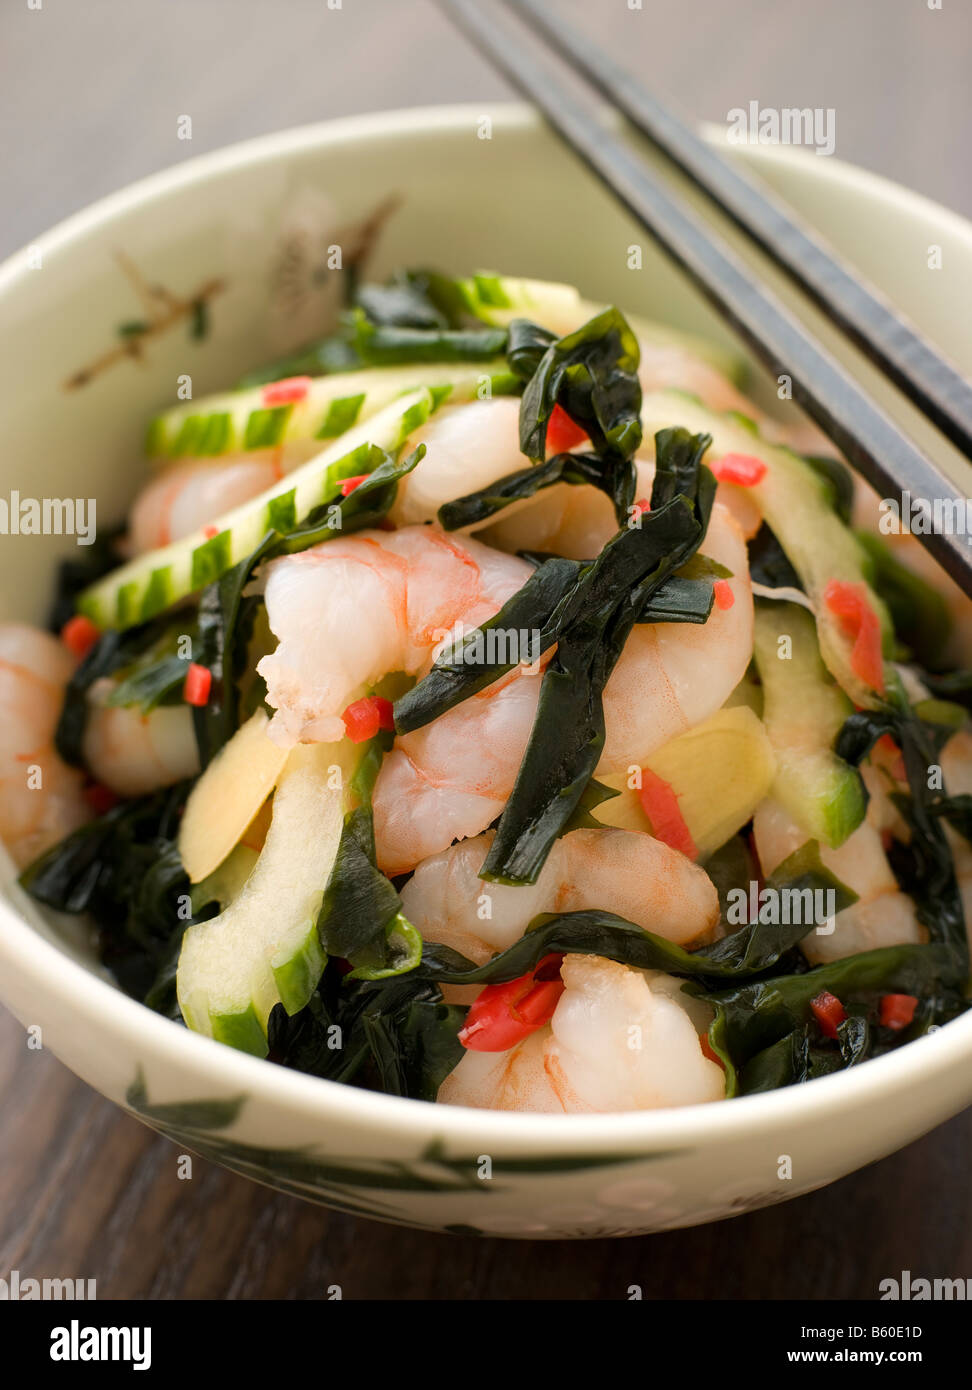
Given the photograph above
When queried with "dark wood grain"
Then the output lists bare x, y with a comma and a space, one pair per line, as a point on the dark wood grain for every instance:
89, 96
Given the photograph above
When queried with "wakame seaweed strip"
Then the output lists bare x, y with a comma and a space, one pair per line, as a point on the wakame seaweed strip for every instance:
388, 345
419, 316
398, 1032
476, 507
768, 563
752, 1016
597, 617
592, 374
361, 914
124, 869
750, 951
452, 679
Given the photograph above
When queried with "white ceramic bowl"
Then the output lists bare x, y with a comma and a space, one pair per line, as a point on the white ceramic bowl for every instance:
514, 202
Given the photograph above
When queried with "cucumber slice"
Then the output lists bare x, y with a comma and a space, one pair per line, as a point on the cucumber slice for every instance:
228, 795
264, 949
720, 771
498, 299
795, 503
153, 582
235, 421
225, 884
803, 711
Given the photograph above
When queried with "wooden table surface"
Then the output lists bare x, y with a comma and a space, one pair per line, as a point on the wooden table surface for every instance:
89, 97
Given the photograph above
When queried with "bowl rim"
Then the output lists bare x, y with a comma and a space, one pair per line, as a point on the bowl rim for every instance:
150, 1038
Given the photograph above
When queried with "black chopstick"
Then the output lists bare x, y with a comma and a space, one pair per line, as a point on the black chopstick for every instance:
921, 373
867, 437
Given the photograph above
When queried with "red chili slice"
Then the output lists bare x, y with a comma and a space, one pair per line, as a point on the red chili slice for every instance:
79, 634
286, 392
660, 805
363, 718
503, 1015
897, 1011
199, 682
724, 597
741, 469
828, 1011
349, 484
386, 713
849, 603
562, 433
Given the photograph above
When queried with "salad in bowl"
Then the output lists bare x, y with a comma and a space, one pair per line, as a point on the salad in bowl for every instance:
490, 705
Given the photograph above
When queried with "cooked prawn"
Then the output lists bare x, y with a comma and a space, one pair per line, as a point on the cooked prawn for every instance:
416, 585
672, 676
468, 447
622, 871
135, 753
453, 777
41, 798
472, 445
413, 588
193, 492
619, 1039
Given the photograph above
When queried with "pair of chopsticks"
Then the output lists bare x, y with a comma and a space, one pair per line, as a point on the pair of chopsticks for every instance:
568, 78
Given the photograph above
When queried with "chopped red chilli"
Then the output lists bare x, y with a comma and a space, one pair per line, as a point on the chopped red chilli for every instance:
363, 718
503, 1015
829, 1012
660, 805
562, 432
286, 392
861, 624
79, 634
349, 484
741, 469
724, 597
199, 683
897, 1011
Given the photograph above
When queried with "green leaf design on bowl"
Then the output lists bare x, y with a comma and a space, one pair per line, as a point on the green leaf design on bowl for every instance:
348, 1183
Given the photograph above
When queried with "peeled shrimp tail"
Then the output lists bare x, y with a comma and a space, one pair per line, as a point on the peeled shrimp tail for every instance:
353, 610
41, 797
622, 871
619, 1039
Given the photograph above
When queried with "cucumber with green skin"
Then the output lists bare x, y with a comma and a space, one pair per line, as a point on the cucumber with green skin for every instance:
237, 421
803, 712
797, 506
264, 948
153, 582
498, 299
